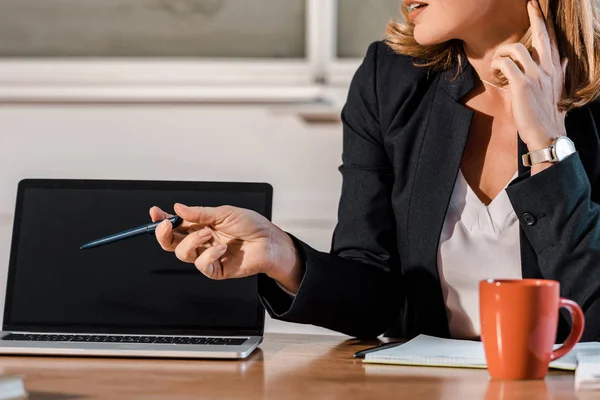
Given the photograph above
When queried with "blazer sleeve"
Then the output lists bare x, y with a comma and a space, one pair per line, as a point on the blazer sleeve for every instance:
355, 288
559, 212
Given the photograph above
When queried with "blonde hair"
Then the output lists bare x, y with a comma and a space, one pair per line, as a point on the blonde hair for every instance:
577, 26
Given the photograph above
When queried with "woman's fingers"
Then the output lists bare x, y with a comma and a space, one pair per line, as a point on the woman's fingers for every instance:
540, 39
190, 248
167, 237
516, 78
194, 247
555, 52
158, 214
519, 54
204, 216
209, 262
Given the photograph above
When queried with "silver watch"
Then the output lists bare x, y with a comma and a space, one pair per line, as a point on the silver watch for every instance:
557, 151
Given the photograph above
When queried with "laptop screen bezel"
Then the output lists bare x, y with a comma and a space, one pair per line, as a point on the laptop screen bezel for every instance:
25, 184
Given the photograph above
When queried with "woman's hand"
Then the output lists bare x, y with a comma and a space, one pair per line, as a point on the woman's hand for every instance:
229, 242
535, 83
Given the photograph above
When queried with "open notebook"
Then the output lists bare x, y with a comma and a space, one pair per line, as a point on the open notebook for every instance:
437, 352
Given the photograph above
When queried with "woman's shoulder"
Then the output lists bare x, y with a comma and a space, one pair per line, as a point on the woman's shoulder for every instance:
384, 73
591, 108
389, 60
385, 81
391, 68
594, 107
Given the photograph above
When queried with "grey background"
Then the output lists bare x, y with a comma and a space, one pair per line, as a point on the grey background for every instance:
161, 28
360, 22
180, 28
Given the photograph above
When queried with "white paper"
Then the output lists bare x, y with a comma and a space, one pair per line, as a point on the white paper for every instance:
587, 375
12, 387
433, 351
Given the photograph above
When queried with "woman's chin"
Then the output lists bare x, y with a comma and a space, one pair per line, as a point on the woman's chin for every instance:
425, 37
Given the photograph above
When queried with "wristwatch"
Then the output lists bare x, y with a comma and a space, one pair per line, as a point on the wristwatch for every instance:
557, 151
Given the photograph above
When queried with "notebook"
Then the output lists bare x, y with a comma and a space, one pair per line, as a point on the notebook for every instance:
437, 352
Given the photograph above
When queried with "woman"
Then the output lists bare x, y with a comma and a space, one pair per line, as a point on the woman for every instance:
436, 194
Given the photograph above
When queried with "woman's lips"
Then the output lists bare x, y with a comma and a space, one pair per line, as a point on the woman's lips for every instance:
414, 13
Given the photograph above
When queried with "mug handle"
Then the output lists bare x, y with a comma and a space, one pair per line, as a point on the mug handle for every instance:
576, 328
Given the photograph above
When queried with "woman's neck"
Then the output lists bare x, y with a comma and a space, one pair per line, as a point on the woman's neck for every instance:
481, 44
480, 56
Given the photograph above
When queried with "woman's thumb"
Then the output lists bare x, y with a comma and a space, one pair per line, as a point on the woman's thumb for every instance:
204, 216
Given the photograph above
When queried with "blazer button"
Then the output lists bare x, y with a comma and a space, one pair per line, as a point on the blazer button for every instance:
529, 219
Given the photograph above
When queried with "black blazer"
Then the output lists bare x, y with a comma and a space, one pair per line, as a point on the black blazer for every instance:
404, 134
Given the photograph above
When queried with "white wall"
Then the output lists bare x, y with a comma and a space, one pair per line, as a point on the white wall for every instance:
177, 142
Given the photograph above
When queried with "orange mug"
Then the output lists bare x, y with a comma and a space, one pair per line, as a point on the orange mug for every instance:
519, 319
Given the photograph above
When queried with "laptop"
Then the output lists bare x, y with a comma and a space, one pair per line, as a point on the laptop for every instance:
129, 298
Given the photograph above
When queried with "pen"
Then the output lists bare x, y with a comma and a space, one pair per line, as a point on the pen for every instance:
362, 353
140, 230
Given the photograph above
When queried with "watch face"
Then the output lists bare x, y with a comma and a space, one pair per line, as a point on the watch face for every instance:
563, 147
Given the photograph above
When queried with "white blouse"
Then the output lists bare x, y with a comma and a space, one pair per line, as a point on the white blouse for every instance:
477, 242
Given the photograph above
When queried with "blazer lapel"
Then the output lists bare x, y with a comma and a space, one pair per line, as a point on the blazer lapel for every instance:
438, 163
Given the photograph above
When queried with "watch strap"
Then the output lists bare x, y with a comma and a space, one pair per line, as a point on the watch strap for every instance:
539, 156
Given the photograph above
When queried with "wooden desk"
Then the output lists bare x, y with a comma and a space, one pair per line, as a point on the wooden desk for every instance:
285, 367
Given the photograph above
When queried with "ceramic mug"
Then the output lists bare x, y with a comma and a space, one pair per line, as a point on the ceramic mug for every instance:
519, 319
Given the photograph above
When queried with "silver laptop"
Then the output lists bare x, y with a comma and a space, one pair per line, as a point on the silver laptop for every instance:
129, 298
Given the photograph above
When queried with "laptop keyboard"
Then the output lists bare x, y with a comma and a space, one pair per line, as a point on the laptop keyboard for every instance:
126, 339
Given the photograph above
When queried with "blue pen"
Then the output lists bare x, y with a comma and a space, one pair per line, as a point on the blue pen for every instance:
140, 230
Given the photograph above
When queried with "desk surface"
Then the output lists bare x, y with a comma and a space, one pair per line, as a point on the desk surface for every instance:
284, 367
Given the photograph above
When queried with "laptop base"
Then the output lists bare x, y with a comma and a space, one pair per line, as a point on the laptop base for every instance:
146, 350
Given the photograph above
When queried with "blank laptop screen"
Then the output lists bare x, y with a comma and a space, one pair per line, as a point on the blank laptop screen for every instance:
131, 286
